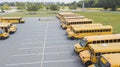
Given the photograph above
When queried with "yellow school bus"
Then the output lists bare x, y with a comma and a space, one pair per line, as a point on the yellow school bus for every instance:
69, 15
60, 15
92, 55
69, 22
84, 42
12, 19
3, 34
110, 60
83, 25
8, 27
80, 32
73, 17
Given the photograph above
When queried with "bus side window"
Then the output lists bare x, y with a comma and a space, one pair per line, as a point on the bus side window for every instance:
97, 54
83, 31
98, 41
106, 41
118, 40
92, 31
115, 40
89, 31
104, 30
109, 29
94, 42
110, 41
102, 41
80, 31
97, 30
77, 32
89, 42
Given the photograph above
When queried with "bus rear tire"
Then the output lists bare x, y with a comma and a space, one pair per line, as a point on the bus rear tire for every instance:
88, 63
76, 52
2, 38
72, 38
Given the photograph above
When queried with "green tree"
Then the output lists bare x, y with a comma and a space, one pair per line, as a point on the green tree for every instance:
113, 4
6, 7
74, 7
42, 6
32, 7
47, 7
20, 5
54, 7
2, 10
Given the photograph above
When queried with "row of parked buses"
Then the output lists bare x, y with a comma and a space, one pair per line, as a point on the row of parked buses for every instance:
97, 47
7, 26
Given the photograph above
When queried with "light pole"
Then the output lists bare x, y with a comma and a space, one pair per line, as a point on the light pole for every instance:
83, 5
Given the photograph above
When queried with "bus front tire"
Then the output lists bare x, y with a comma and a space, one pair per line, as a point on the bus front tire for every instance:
72, 38
2, 38
88, 63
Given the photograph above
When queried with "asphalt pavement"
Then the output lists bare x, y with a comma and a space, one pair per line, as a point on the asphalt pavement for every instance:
39, 44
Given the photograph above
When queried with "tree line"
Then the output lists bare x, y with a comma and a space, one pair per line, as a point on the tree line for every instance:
35, 6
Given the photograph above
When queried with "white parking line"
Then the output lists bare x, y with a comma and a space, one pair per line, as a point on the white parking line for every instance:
61, 41
42, 59
42, 53
29, 63
70, 60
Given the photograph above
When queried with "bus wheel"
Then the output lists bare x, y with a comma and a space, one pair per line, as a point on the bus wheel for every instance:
88, 63
60, 25
76, 52
72, 38
2, 38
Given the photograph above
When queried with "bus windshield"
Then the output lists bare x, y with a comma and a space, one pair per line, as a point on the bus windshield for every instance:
104, 63
1, 31
83, 42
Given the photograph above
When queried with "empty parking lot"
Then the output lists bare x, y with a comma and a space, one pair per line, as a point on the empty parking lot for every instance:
39, 44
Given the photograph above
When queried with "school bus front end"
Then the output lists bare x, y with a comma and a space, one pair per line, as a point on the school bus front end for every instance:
85, 57
3, 35
92, 55
71, 34
108, 60
8, 27
13, 28
81, 46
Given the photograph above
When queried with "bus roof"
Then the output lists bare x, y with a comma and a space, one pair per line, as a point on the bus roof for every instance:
11, 17
4, 24
91, 28
74, 17
88, 25
112, 58
78, 20
102, 37
105, 47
